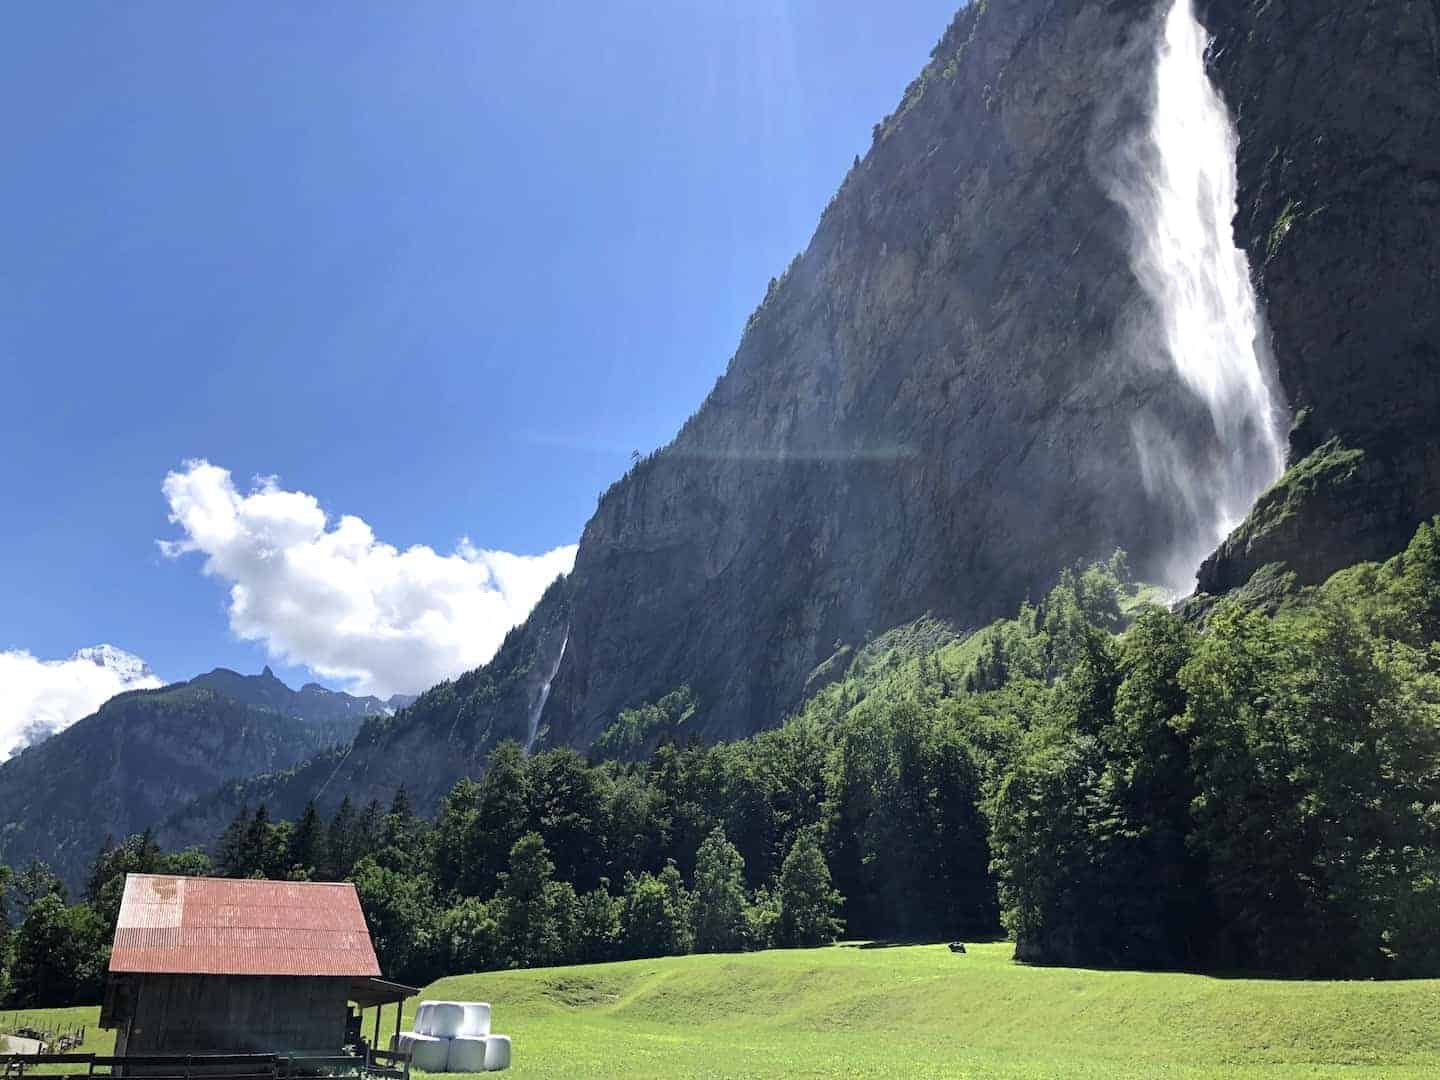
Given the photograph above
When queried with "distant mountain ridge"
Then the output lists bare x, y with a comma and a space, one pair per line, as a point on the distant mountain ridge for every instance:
145, 753
312, 702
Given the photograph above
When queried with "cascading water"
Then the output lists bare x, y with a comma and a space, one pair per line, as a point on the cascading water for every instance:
544, 695
1178, 185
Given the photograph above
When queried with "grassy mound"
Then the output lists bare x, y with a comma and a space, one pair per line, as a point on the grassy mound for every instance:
906, 1012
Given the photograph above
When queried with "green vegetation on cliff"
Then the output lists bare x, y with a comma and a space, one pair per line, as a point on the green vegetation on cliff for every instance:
1107, 782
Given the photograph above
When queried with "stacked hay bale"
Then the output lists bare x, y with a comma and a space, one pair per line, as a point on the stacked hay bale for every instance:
454, 1036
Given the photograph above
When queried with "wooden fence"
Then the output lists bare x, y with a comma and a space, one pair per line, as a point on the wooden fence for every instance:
202, 1066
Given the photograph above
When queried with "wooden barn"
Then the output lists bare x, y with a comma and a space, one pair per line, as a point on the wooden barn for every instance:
207, 966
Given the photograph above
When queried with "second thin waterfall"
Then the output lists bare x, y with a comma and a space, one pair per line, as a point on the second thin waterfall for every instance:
544, 696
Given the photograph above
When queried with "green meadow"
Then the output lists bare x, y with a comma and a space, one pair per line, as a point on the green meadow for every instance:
918, 1011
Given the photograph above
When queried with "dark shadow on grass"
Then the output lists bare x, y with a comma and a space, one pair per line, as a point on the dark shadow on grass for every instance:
1219, 975
910, 943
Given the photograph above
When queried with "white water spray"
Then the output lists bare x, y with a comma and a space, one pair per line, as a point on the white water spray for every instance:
544, 695
1180, 192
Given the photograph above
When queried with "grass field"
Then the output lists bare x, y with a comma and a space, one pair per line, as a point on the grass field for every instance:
903, 1012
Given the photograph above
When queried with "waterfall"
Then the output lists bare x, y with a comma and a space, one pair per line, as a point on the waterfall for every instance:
544, 695
1178, 185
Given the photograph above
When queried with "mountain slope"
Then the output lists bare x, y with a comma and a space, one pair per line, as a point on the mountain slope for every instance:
446, 733
921, 416
933, 410
145, 753
928, 413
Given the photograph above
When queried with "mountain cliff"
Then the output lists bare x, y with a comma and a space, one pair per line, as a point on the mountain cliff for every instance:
932, 411
935, 407
1338, 108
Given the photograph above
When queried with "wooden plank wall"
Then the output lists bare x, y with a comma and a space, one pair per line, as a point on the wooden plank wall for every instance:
199, 1014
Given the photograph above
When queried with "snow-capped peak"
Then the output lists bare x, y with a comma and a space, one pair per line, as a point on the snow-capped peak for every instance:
127, 665
40, 697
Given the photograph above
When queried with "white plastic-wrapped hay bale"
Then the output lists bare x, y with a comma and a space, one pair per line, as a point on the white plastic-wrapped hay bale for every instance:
444, 1019
429, 1052
467, 1054
477, 1018
422, 1018
497, 1052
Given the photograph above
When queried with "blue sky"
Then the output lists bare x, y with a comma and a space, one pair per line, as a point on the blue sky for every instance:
439, 265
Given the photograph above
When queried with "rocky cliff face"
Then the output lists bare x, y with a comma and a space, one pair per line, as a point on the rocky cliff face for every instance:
931, 412
1338, 108
933, 409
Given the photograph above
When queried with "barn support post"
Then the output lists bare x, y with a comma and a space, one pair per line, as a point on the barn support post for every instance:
399, 1012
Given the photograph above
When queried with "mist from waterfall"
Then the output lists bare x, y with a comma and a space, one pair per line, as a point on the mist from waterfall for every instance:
544, 695
1178, 184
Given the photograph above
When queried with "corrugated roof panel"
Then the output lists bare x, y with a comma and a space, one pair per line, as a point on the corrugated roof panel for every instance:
214, 926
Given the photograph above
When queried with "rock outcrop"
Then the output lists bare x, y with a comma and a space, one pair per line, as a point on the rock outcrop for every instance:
1338, 109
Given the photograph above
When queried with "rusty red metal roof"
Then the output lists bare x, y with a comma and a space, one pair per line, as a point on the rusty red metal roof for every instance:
217, 926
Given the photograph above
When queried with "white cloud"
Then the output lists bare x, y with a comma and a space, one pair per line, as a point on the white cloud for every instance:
341, 602
41, 697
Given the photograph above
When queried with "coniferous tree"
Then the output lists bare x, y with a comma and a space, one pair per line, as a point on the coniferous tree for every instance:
719, 896
458, 815
369, 827
307, 856
340, 851
502, 818
100, 868
256, 853
533, 919
808, 902
398, 845
230, 847
568, 808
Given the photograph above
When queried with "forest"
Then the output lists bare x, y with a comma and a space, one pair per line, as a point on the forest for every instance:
1248, 785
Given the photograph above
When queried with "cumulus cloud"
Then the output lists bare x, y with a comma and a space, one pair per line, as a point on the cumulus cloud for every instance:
332, 597
41, 697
